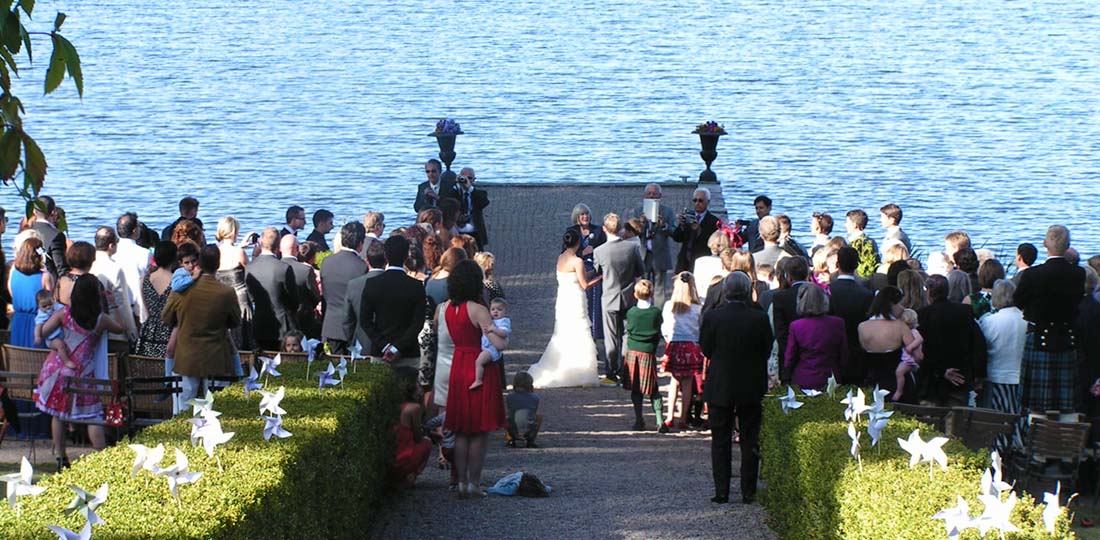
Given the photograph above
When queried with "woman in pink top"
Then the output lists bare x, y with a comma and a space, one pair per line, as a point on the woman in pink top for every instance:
817, 345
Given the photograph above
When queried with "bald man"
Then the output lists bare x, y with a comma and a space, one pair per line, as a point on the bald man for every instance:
305, 281
271, 284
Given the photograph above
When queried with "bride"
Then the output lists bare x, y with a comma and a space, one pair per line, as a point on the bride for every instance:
570, 357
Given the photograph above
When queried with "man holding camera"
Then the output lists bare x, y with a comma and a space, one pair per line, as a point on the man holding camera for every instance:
429, 192
695, 225
472, 202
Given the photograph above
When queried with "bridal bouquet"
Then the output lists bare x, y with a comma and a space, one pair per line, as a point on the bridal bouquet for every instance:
708, 128
447, 126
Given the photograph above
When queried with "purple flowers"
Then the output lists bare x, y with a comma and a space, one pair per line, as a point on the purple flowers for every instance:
447, 126
710, 128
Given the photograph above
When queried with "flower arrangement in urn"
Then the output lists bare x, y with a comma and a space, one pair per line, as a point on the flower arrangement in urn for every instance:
710, 128
447, 126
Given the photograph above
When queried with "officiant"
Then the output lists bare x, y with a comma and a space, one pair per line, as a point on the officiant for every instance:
659, 221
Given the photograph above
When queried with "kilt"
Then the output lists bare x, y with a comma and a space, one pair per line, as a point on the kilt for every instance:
640, 372
685, 359
1047, 379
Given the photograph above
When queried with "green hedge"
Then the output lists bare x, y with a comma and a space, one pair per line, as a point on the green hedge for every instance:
815, 490
322, 482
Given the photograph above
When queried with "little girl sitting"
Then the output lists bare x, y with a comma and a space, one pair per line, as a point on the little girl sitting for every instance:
502, 327
912, 354
56, 340
292, 342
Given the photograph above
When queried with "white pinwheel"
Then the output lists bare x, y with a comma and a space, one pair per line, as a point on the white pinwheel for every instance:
876, 423
857, 405
854, 434
146, 458
810, 392
997, 514
20, 483
270, 401
200, 422
86, 503
991, 479
342, 369
269, 365
310, 348
252, 382
327, 377
957, 519
830, 387
921, 450
201, 405
1053, 508
356, 352
65, 534
178, 475
212, 435
788, 401
274, 427
878, 400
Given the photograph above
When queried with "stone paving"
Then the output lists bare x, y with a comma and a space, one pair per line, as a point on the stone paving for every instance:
609, 482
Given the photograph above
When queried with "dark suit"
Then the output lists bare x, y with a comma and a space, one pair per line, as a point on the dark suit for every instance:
1050, 293
271, 284
473, 204
693, 242
166, 234
952, 339
738, 341
316, 237
784, 311
53, 241
337, 270
352, 309
446, 188
850, 301
305, 281
285, 231
393, 313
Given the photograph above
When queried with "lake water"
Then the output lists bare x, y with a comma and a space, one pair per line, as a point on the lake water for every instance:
973, 115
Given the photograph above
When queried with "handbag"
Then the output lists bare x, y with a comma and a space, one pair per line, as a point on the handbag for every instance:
114, 415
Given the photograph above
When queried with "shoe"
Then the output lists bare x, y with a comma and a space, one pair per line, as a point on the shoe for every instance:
720, 499
639, 426
663, 429
749, 498
531, 444
609, 382
62, 463
461, 491
474, 491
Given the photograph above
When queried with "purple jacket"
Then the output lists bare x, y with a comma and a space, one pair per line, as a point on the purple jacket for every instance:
816, 348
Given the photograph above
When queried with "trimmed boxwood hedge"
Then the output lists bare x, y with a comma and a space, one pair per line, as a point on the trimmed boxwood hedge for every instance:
320, 483
815, 490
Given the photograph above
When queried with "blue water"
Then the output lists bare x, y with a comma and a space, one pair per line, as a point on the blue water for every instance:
973, 115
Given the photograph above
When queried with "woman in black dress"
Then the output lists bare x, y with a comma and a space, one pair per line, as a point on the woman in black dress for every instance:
592, 237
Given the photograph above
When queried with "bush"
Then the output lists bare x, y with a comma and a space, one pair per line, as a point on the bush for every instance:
322, 482
816, 490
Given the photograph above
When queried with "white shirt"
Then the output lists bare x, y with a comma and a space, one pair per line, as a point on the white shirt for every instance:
110, 275
705, 270
134, 261
469, 226
1005, 334
683, 326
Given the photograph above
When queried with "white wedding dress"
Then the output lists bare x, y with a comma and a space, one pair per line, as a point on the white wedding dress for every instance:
570, 357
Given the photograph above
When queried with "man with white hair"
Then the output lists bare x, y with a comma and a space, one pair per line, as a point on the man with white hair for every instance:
656, 243
694, 227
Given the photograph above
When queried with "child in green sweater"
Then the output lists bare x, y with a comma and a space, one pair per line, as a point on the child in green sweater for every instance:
643, 335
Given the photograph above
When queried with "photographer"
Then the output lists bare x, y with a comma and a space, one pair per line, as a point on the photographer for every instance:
430, 191
472, 203
693, 229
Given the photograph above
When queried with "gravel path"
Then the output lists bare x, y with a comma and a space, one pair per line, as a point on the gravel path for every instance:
609, 482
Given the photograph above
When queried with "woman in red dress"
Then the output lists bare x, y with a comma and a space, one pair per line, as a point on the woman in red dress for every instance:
471, 414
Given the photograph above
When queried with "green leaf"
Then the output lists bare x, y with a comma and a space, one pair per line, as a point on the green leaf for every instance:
12, 38
5, 5
26, 43
56, 72
9, 154
58, 21
27, 5
72, 62
34, 164
5, 79
8, 58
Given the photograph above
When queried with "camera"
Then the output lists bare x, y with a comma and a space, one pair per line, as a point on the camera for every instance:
463, 220
689, 216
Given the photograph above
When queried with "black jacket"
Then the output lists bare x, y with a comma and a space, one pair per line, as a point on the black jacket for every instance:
693, 243
447, 188
393, 312
53, 241
850, 301
784, 312
1051, 292
737, 339
271, 284
952, 339
479, 199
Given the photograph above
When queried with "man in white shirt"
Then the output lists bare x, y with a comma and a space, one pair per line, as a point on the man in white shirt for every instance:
133, 259
111, 276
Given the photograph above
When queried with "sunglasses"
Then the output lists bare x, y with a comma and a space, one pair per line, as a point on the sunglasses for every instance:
466, 178
698, 200
430, 171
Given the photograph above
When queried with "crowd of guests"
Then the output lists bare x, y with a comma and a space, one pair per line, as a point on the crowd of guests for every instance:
421, 298
953, 330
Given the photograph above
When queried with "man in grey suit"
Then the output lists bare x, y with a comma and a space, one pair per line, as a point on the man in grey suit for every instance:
376, 261
769, 234
658, 247
337, 270
890, 217
305, 280
621, 264
271, 285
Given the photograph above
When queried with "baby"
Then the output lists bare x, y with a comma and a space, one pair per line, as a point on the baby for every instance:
911, 354
55, 341
292, 341
502, 326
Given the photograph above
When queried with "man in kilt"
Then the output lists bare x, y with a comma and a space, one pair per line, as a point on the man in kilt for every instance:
1049, 295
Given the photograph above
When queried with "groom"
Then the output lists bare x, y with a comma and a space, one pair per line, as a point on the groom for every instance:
621, 264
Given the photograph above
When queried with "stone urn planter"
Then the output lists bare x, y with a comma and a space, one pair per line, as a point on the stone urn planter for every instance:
709, 133
445, 132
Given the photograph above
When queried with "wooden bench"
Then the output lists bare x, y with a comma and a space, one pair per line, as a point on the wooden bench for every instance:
979, 428
936, 416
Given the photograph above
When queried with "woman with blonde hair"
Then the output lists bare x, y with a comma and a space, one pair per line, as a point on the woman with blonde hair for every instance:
591, 237
708, 267
487, 262
745, 262
231, 273
680, 321
913, 294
